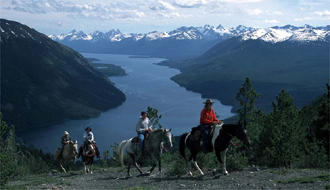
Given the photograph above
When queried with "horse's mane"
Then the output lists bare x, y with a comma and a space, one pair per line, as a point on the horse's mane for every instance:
230, 127
157, 130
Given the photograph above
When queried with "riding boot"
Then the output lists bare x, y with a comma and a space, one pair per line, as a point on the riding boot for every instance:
61, 153
205, 137
97, 152
80, 151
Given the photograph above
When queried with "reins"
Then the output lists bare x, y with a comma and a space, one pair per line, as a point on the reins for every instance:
231, 142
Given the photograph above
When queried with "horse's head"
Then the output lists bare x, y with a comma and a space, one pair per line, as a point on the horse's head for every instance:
241, 134
168, 138
90, 146
74, 145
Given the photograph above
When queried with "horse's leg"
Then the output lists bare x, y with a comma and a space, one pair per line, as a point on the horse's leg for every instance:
135, 164
67, 165
74, 162
159, 163
86, 170
61, 165
194, 161
223, 156
129, 167
189, 166
91, 166
152, 157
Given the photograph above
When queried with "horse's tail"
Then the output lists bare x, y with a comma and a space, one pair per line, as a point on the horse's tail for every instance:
182, 145
121, 156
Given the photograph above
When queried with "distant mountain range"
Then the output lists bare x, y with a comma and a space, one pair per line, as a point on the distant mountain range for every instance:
207, 32
184, 42
44, 82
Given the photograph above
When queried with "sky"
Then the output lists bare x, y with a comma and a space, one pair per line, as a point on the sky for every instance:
137, 16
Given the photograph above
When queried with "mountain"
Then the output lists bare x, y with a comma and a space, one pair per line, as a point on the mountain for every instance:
45, 82
184, 42
299, 67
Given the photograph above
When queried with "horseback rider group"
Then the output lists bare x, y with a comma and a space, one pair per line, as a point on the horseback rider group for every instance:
144, 126
88, 137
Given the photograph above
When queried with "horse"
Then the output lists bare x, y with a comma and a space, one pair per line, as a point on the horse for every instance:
70, 152
220, 142
152, 144
88, 157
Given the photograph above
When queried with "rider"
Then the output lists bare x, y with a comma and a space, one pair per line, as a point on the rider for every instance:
64, 141
207, 119
88, 135
142, 127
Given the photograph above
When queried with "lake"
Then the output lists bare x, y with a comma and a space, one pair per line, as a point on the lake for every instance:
145, 85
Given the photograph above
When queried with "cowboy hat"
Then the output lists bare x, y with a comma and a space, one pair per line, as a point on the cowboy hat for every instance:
88, 128
66, 133
208, 101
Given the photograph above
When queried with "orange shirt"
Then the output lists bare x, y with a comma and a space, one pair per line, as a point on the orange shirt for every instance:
208, 117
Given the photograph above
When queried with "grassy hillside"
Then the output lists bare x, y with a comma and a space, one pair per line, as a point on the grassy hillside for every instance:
44, 82
300, 68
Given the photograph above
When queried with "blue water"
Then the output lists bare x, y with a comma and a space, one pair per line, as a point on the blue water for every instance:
145, 85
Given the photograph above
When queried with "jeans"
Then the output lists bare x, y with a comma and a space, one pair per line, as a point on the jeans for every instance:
206, 131
141, 137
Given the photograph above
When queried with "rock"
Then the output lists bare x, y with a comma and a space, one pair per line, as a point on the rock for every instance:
182, 185
54, 171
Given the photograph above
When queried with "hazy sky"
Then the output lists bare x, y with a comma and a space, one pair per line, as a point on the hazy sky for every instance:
61, 16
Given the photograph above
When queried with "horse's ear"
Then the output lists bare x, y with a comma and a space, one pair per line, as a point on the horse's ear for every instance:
76, 142
170, 130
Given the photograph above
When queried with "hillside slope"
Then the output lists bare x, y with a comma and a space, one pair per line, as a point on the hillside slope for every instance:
300, 68
44, 82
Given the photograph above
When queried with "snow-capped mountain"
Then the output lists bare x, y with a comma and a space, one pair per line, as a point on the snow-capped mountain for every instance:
273, 34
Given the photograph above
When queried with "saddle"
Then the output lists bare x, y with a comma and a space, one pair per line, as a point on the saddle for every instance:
196, 135
136, 138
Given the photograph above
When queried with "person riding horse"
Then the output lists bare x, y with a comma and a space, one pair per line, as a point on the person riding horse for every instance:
64, 141
88, 136
142, 127
208, 118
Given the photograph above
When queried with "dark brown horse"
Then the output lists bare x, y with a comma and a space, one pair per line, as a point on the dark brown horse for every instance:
88, 156
220, 142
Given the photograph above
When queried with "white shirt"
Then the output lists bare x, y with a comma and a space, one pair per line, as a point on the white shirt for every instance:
142, 125
89, 136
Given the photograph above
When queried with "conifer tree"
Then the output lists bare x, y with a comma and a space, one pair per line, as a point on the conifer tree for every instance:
246, 96
283, 135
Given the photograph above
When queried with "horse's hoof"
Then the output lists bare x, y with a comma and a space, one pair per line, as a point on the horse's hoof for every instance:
226, 173
214, 171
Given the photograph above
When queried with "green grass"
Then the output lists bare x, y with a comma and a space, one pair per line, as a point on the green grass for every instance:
15, 187
309, 179
280, 172
327, 186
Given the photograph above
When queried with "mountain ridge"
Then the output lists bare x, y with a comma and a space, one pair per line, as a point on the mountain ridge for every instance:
300, 68
44, 82
206, 32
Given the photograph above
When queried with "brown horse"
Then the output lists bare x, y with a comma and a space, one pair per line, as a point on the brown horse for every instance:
88, 156
70, 152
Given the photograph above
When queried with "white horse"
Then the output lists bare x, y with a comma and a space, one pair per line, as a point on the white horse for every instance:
70, 152
152, 144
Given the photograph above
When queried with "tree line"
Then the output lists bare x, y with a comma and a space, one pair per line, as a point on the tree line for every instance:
286, 137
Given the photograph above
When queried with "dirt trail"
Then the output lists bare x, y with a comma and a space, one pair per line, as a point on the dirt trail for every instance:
114, 178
